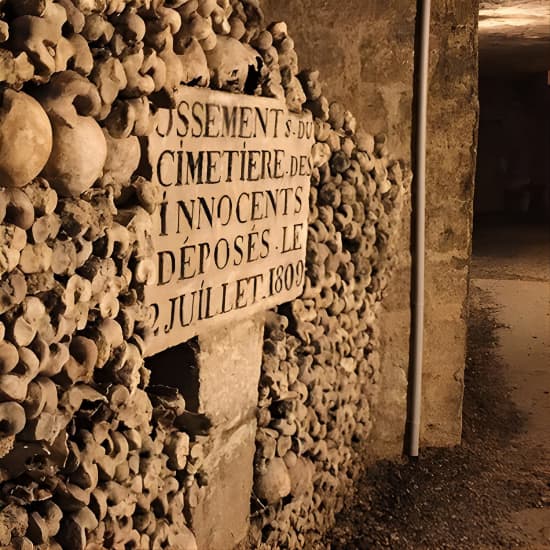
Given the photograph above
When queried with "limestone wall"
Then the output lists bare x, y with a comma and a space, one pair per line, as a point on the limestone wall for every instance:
451, 162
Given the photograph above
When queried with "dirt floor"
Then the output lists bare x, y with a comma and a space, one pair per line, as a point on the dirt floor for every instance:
492, 491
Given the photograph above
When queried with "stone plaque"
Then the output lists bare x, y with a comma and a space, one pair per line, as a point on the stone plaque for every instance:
230, 234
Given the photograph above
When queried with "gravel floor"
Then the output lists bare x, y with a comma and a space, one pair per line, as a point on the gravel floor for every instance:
461, 498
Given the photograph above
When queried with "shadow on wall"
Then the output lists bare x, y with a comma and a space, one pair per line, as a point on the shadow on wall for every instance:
177, 367
513, 169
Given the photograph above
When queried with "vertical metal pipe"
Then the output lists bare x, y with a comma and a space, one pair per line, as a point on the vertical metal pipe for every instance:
419, 209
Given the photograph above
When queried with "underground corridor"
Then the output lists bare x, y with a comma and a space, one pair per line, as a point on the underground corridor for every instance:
492, 490
274, 275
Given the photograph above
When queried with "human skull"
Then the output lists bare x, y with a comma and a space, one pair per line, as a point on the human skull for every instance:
231, 63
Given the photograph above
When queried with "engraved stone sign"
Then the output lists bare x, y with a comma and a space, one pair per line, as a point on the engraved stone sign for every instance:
230, 234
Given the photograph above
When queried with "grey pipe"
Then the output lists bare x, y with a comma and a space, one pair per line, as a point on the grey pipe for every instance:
419, 206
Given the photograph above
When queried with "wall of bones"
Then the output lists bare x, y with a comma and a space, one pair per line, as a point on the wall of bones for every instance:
92, 455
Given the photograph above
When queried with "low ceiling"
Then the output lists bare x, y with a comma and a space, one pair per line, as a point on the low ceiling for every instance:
514, 36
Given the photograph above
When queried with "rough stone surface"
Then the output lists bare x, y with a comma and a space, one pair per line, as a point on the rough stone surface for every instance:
363, 51
220, 521
229, 370
451, 155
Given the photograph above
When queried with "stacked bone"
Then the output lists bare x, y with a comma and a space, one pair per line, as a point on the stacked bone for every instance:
84, 460
320, 361
90, 454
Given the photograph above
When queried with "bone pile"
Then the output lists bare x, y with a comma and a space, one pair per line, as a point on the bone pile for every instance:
320, 359
91, 455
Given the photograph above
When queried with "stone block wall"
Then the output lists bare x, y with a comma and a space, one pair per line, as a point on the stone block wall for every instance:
229, 372
451, 162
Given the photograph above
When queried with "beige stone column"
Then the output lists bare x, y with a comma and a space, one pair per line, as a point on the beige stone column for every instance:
229, 362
